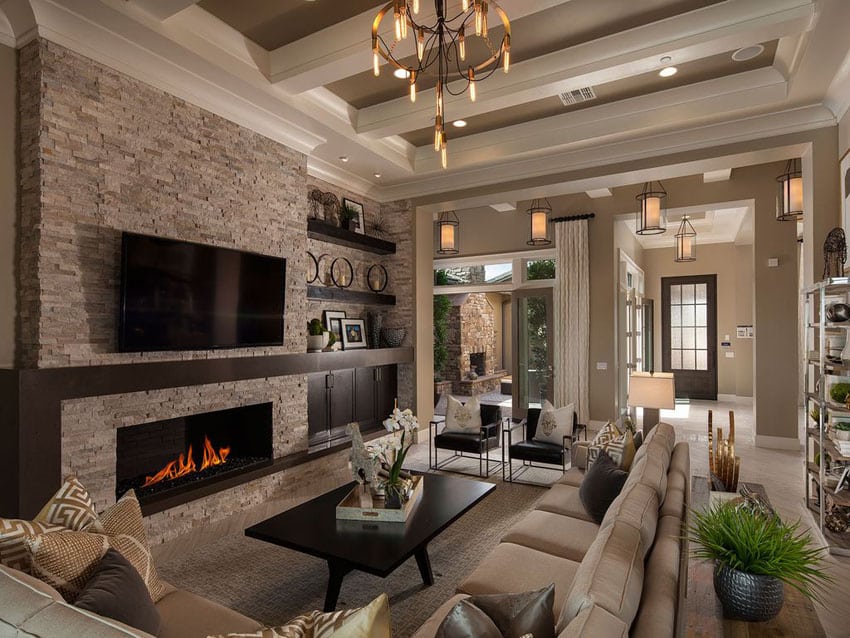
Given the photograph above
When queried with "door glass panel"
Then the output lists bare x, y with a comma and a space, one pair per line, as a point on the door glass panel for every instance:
702, 341
688, 360
701, 293
702, 360
532, 361
688, 316
676, 359
676, 338
701, 315
688, 294
675, 295
675, 316
688, 340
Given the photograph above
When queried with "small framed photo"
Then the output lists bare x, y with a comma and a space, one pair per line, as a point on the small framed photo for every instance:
353, 334
331, 319
360, 225
844, 481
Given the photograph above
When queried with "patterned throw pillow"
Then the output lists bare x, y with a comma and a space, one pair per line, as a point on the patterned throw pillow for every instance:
66, 560
621, 450
373, 621
609, 432
553, 425
71, 508
463, 418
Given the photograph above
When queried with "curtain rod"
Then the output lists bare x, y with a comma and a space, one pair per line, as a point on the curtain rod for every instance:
573, 218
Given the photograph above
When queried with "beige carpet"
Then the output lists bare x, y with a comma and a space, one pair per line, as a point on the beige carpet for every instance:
273, 584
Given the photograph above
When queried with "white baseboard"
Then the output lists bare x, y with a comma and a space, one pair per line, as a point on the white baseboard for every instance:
777, 442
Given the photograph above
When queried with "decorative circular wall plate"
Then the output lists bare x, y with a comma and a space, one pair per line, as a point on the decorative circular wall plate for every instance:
377, 278
342, 273
312, 268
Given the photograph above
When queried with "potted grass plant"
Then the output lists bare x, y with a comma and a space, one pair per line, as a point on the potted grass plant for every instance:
842, 430
756, 554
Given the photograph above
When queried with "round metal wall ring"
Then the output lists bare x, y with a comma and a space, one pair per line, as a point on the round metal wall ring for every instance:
342, 276
312, 268
377, 278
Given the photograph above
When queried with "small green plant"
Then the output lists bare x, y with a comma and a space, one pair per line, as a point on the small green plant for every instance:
442, 306
838, 392
347, 213
760, 543
315, 327
843, 426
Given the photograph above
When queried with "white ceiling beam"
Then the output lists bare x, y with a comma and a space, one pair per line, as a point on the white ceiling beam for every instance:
646, 113
345, 49
721, 175
163, 9
698, 34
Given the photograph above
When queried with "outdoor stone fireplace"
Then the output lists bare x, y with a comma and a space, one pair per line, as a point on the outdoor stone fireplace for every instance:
471, 343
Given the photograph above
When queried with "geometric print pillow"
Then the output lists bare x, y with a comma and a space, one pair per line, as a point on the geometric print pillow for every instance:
66, 560
13, 551
609, 432
373, 621
621, 450
71, 507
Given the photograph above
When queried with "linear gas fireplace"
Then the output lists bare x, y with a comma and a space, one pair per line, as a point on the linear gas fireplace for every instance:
165, 458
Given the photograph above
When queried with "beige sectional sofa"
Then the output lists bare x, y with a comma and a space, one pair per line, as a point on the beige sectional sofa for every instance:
29, 607
625, 577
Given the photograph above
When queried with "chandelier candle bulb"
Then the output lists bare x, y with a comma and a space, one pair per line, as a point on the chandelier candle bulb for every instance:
472, 93
420, 44
465, 5
484, 29
461, 43
413, 86
376, 64
653, 211
444, 158
507, 54
438, 129
416, 7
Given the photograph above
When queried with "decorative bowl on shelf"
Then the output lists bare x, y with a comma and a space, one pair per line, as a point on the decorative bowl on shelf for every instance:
394, 337
838, 312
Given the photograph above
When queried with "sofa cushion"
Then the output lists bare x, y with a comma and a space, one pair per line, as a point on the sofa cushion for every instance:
662, 434
573, 476
602, 484
32, 582
611, 576
595, 622
116, 590
637, 505
660, 598
651, 470
678, 477
185, 615
554, 534
564, 499
428, 629
512, 568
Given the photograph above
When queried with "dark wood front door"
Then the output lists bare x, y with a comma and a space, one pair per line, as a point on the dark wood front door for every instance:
689, 334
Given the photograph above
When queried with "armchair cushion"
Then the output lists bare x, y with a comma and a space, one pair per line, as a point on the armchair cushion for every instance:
553, 425
471, 442
536, 451
463, 418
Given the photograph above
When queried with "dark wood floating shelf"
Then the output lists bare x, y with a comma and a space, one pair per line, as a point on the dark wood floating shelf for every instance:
323, 231
328, 293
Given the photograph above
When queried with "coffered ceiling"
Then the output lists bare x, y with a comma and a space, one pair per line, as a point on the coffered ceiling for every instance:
299, 71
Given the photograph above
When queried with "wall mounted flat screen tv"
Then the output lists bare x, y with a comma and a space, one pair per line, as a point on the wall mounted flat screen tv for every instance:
176, 295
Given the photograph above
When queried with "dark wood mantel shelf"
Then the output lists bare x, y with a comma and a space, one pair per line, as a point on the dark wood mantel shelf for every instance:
31, 405
321, 230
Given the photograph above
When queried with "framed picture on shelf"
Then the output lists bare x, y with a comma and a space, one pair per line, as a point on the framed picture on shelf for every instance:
357, 207
331, 319
844, 481
353, 334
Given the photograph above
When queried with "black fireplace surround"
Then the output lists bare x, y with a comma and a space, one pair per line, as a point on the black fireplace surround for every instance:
477, 362
143, 450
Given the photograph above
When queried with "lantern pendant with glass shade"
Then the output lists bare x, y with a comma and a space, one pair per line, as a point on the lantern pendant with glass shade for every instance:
539, 216
686, 240
789, 201
652, 210
448, 226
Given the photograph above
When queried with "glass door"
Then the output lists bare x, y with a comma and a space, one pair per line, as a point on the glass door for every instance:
532, 336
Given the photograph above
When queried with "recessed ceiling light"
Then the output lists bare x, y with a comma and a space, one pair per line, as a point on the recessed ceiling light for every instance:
377, 175
748, 53
459, 123
668, 71
401, 74
343, 158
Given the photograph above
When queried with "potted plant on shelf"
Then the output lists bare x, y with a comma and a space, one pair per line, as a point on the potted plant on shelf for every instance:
317, 336
348, 217
755, 555
842, 430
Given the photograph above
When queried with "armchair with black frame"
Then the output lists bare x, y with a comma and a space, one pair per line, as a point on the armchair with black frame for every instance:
467, 444
531, 452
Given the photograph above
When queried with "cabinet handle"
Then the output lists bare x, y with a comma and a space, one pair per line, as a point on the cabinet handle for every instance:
329, 381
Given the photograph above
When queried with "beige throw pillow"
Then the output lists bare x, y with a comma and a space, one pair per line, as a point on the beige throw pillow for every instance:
371, 621
66, 560
463, 418
553, 425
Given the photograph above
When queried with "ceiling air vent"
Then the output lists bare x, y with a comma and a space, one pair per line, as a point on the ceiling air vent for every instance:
577, 96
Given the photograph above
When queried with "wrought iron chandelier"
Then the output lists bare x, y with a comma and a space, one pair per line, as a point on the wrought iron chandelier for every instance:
440, 49
686, 241
449, 236
652, 210
538, 213
789, 200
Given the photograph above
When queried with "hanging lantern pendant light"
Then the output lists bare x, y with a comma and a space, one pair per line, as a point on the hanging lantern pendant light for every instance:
789, 201
448, 227
686, 241
539, 217
652, 210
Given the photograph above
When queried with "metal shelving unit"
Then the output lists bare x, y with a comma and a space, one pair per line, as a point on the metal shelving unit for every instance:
818, 435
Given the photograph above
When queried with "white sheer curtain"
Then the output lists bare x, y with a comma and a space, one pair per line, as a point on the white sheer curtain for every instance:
572, 316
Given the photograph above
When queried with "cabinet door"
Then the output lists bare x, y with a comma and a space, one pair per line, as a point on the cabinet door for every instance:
364, 396
387, 386
342, 401
317, 407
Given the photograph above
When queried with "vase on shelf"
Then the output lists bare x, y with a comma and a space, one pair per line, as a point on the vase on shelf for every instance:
376, 322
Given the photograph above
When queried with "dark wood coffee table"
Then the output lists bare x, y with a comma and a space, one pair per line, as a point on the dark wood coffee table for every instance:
372, 547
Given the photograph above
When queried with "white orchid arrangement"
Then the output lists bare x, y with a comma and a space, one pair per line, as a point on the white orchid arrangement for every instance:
398, 420
401, 420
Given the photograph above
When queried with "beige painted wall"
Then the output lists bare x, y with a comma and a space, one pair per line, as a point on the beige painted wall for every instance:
732, 274
844, 134
8, 126
424, 343
484, 231
495, 301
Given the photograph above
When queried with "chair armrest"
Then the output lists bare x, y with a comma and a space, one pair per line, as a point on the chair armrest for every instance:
578, 454
435, 425
491, 429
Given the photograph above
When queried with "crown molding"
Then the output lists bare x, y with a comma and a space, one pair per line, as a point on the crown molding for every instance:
320, 169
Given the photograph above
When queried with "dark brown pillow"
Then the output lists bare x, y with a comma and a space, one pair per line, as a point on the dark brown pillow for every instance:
601, 485
502, 616
465, 620
116, 591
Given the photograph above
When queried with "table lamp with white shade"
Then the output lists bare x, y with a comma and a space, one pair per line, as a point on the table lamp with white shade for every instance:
652, 391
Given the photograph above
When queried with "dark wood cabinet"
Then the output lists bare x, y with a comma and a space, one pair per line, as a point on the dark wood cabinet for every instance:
339, 397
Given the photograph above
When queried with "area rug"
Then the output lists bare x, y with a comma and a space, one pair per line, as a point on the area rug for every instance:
272, 584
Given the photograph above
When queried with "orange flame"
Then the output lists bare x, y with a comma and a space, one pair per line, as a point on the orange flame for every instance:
185, 464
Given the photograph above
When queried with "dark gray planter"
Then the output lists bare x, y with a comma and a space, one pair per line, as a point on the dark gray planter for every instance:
750, 597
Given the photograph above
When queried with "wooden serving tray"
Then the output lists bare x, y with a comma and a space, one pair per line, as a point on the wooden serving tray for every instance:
360, 505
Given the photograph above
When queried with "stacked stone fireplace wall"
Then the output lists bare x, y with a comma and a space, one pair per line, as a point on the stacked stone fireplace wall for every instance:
472, 329
101, 153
